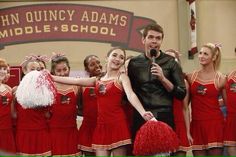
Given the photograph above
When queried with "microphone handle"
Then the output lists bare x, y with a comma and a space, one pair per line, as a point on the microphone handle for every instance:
153, 59
150, 74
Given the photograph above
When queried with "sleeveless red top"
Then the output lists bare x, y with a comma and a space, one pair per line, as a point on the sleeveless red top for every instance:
178, 110
89, 105
110, 104
5, 109
31, 118
204, 98
231, 94
64, 110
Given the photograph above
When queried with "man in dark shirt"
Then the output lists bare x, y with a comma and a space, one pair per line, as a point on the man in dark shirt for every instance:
155, 79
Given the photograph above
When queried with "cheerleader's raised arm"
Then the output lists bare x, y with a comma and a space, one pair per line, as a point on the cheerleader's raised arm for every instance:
133, 99
75, 81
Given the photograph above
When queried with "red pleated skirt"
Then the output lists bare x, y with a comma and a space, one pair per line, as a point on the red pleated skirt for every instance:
207, 134
64, 141
180, 129
86, 131
7, 140
111, 135
33, 142
230, 131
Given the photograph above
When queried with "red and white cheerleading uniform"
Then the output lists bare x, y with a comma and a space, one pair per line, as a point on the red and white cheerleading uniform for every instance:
207, 119
180, 126
230, 126
112, 128
88, 125
63, 126
32, 134
7, 141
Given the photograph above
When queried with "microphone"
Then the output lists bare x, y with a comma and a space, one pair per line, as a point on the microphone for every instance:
153, 54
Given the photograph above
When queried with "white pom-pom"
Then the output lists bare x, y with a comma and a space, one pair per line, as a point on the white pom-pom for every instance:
36, 89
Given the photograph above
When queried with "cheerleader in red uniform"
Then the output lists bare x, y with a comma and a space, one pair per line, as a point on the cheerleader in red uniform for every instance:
181, 116
112, 134
7, 141
32, 134
206, 85
230, 126
63, 127
93, 66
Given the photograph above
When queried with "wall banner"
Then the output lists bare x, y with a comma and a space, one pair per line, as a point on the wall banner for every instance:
71, 22
193, 30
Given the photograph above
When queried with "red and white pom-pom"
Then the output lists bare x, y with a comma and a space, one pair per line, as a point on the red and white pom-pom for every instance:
36, 89
155, 138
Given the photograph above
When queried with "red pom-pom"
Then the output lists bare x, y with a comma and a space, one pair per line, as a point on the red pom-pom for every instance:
155, 137
45, 78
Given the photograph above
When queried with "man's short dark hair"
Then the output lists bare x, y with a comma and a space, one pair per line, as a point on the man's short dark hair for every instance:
154, 27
